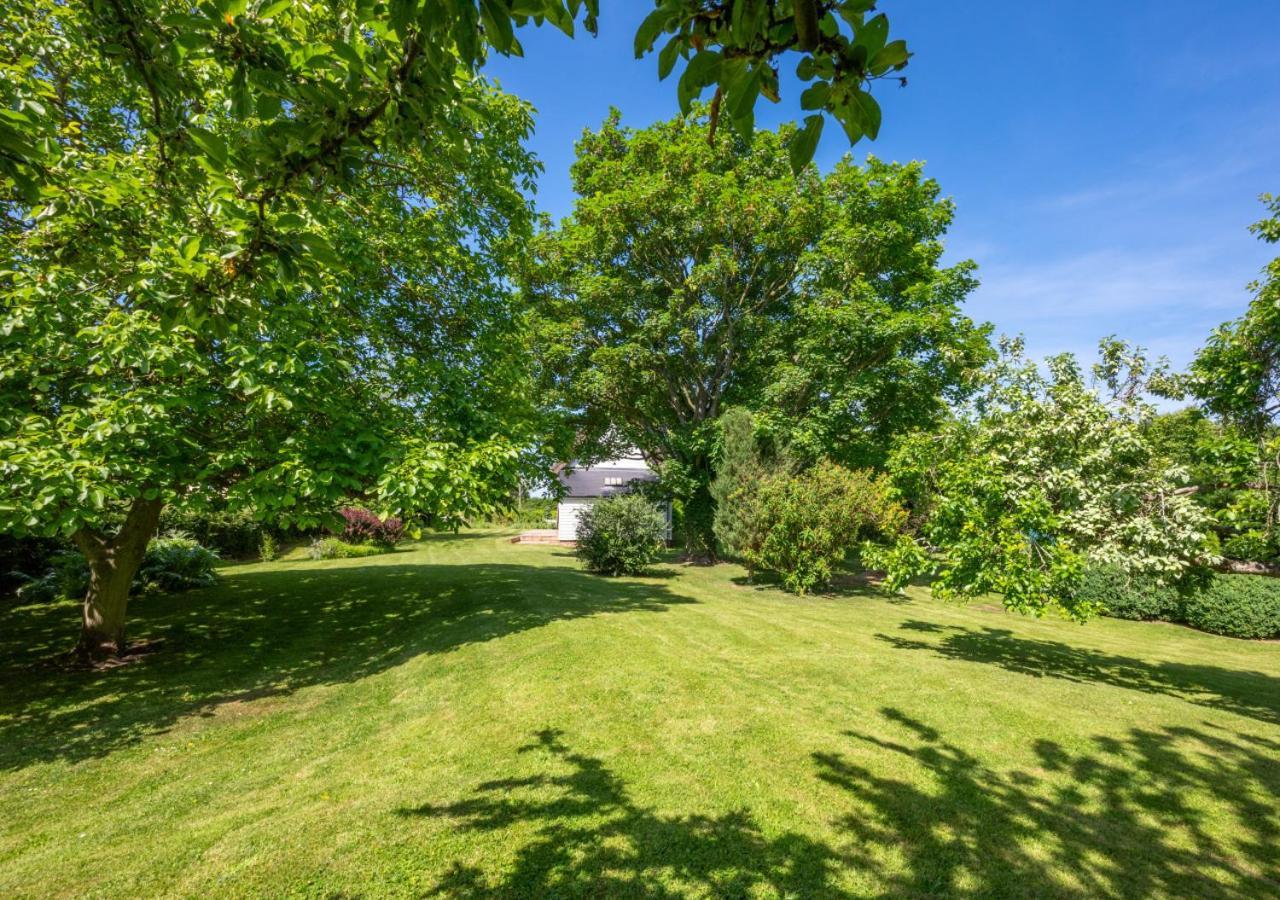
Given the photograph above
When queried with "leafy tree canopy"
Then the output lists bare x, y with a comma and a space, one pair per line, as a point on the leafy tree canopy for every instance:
1237, 373
695, 274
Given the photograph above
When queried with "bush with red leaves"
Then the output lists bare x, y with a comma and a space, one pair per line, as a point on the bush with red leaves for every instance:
360, 526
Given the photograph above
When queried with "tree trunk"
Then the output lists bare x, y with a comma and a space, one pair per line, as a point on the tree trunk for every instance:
1249, 567
699, 518
113, 562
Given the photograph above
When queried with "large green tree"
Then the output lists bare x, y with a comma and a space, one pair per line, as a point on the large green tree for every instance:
698, 273
1237, 373
1235, 452
248, 247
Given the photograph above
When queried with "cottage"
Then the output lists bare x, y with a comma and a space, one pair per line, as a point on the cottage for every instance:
587, 485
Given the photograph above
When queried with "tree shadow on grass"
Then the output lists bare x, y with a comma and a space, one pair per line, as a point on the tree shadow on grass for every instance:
1252, 694
265, 633
1171, 811
1174, 811
594, 840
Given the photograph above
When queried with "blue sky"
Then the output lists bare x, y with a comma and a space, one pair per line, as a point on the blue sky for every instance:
1105, 157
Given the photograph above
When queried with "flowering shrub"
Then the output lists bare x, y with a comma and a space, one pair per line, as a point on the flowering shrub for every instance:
360, 526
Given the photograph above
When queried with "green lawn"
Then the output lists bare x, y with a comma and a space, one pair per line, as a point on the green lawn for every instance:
473, 717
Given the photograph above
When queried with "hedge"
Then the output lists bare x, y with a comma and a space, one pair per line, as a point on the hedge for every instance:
1243, 606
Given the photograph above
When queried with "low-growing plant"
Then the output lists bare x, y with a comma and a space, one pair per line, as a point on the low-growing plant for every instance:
173, 562
336, 548
177, 562
1243, 606
235, 535
363, 526
23, 560
268, 550
620, 535
530, 512
804, 525
67, 576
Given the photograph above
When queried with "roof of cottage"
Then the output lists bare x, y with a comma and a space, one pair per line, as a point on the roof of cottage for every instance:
604, 479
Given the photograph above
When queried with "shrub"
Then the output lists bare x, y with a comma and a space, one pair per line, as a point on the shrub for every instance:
235, 535
173, 562
22, 560
530, 512
67, 575
177, 562
1130, 597
621, 535
1243, 606
267, 550
804, 525
362, 526
1248, 545
335, 548
739, 467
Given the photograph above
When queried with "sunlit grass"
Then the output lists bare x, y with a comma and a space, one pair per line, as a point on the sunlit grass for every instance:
472, 717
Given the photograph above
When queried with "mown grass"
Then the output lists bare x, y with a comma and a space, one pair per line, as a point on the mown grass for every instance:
471, 717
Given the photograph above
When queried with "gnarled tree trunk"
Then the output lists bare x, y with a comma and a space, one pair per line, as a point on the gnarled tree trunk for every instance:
113, 561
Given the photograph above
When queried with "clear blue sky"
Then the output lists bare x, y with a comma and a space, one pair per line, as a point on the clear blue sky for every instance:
1105, 157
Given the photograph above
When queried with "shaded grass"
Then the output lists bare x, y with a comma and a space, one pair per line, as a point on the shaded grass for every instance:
473, 717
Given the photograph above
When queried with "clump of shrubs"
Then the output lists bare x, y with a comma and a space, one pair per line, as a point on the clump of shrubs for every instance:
232, 534
621, 535
1244, 606
360, 526
802, 526
173, 563
336, 548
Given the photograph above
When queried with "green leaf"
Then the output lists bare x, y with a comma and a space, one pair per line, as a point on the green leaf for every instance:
804, 143
867, 111
214, 147
667, 57
815, 96
271, 10
702, 70
649, 30
189, 246
873, 34
497, 25
893, 56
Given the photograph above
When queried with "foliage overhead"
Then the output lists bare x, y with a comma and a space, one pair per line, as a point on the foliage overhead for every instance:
1041, 477
844, 47
220, 218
